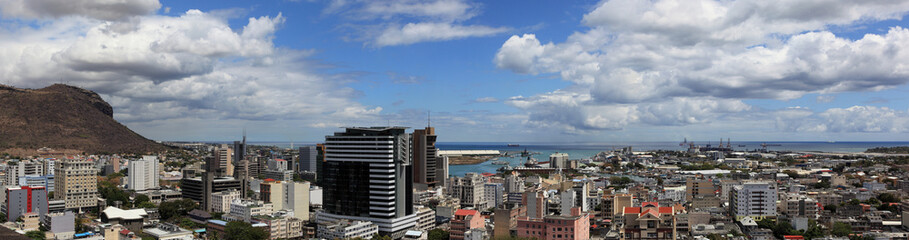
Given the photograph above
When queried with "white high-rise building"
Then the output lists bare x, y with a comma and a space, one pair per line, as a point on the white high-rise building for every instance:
755, 199
24, 168
143, 173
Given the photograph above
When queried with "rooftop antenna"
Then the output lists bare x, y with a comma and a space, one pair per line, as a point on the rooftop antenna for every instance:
429, 118
244, 135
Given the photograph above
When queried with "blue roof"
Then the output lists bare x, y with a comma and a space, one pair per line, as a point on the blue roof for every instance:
201, 230
219, 222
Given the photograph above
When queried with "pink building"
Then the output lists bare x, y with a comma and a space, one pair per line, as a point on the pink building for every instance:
574, 227
463, 221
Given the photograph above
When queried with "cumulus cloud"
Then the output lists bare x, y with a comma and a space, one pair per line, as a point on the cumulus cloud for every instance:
852, 119
392, 23
189, 68
428, 32
98, 9
702, 58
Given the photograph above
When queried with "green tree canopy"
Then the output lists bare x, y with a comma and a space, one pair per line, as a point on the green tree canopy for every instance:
35, 235
840, 229
438, 234
243, 231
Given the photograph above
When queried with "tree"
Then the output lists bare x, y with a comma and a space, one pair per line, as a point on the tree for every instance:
174, 209
814, 231
888, 198
438, 234
141, 198
381, 237
243, 231
35, 235
841, 229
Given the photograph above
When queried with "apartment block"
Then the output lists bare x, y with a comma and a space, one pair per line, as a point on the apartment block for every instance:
76, 183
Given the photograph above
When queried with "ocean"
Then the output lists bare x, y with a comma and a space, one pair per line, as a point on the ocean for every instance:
587, 150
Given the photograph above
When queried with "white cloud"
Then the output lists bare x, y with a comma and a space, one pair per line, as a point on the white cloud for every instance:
486, 100
448, 10
860, 119
155, 70
98, 9
431, 32
393, 23
825, 98
672, 62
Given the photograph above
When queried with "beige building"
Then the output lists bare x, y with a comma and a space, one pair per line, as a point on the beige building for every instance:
282, 226
244, 210
795, 205
296, 198
838, 180
619, 202
426, 218
470, 189
220, 201
76, 183
699, 187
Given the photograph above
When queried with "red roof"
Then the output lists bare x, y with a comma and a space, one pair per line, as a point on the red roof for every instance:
649, 210
465, 212
632, 210
269, 180
655, 204
488, 174
794, 237
667, 210
124, 231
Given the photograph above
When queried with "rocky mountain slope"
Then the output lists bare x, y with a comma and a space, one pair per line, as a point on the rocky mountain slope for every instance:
64, 117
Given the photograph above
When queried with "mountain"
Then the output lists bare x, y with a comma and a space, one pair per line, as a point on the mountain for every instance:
65, 117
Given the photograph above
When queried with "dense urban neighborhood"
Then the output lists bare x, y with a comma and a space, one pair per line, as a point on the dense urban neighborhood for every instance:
394, 183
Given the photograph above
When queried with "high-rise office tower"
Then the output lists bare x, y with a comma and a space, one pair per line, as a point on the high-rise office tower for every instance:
308, 158
76, 183
426, 169
240, 149
143, 173
221, 163
367, 175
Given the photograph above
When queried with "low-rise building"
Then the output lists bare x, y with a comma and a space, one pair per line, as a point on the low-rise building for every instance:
61, 224
243, 210
426, 218
796, 205
575, 226
132, 219
168, 231
220, 201
463, 221
649, 221
347, 229
282, 225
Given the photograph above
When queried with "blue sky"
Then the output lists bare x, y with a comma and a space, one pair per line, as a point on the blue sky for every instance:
509, 71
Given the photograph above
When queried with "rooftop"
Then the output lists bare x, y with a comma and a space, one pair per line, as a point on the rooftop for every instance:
132, 214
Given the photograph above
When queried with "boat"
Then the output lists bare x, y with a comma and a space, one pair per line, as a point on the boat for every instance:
514, 145
741, 145
500, 163
531, 162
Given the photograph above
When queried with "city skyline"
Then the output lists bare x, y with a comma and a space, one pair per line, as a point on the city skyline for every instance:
499, 71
